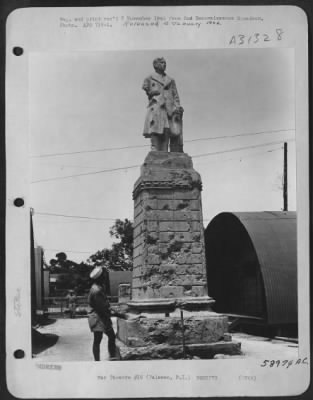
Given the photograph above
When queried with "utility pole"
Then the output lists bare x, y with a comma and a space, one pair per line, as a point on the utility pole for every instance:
285, 185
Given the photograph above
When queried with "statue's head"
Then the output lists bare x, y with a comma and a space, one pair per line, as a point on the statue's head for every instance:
159, 64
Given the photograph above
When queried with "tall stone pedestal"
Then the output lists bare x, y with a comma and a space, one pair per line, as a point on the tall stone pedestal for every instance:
170, 311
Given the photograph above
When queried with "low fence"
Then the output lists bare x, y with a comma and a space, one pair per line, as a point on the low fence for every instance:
60, 305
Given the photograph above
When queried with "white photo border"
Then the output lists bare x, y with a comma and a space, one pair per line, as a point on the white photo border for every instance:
38, 30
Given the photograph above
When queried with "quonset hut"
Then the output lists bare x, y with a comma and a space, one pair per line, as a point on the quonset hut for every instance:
252, 268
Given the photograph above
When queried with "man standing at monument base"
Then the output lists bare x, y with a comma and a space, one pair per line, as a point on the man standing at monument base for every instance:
163, 123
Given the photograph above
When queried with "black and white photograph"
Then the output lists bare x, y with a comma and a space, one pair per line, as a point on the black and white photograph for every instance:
162, 206
177, 187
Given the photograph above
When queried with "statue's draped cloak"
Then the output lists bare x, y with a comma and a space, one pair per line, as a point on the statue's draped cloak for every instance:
161, 106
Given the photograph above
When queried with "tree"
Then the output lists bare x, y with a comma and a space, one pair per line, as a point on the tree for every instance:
120, 256
61, 263
72, 275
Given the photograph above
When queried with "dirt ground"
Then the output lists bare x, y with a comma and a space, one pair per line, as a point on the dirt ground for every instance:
75, 343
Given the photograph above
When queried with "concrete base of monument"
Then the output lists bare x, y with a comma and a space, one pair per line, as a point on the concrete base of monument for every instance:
203, 351
168, 305
158, 335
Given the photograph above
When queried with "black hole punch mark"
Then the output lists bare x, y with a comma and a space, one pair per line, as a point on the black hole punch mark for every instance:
18, 51
19, 353
18, 202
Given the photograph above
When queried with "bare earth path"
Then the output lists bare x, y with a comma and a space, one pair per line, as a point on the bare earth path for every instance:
74, 343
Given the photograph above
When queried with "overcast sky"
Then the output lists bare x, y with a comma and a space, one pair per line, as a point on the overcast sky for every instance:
87, 101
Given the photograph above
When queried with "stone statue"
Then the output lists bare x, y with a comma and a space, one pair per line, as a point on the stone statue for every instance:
163, 123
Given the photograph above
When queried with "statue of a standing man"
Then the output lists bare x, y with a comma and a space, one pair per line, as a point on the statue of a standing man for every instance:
163, 122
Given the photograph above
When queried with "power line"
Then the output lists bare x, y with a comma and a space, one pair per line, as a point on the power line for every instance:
63, 165
47, 219
74, 216
240, 135
137, 166
146, 145
261, 152
89, 167
89, 151
86, 173
236, 149
113, 219
249, 155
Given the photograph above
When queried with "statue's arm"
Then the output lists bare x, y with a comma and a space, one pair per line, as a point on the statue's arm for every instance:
147, 88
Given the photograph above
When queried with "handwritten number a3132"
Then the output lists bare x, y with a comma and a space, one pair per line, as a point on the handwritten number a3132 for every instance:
255, 38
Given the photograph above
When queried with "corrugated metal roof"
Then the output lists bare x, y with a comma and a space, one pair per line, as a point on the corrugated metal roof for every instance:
274, 238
